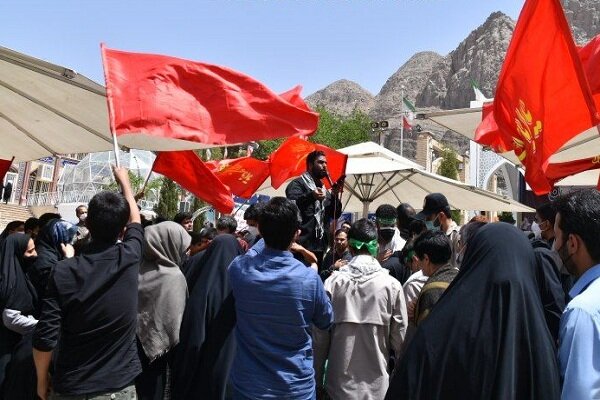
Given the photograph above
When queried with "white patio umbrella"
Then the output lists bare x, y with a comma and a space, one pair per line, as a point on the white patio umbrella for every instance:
587, 144
376, 175
47, 109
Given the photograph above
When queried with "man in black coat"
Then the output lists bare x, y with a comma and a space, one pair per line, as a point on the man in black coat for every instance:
317, 205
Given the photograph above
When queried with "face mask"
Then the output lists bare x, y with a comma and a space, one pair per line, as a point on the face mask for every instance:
563, 258
535, 228
82, 217
431, 226
253, 230
386, 234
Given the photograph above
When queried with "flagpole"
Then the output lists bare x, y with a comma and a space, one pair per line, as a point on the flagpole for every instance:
402, 121
116, 149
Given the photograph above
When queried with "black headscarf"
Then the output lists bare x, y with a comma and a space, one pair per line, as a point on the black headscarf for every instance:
487, 337
204, 356
49, 252
16, 292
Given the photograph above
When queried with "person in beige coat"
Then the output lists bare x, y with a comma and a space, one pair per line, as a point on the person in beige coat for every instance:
370, 322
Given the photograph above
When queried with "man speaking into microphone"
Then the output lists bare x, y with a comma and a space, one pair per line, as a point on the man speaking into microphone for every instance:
317, 205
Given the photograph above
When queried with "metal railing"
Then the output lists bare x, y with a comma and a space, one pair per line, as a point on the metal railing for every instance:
54, 198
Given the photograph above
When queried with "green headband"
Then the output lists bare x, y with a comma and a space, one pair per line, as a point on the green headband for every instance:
387, 221
371, 246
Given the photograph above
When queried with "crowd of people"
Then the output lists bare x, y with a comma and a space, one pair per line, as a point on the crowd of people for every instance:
301, 305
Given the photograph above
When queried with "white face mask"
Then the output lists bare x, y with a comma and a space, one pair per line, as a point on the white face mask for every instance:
535, 228
253, 230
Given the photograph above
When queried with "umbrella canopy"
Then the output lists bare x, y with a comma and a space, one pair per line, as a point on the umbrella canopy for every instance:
47, 109
587, 144
376, 175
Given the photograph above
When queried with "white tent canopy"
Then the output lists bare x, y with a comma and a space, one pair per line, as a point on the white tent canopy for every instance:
47, 109
375, 176
587, 144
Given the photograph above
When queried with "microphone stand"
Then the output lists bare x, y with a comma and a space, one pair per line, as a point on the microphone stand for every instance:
336, 198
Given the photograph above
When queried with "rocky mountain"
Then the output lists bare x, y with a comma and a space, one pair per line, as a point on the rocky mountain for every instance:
342, 97
584, 18
432, 81
478, 58
412, 76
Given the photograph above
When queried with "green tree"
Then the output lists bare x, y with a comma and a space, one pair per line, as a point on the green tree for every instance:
334, 131
449, 165
168, 203
137, 181
449, 168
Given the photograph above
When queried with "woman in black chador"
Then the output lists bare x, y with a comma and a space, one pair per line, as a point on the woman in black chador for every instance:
487, 337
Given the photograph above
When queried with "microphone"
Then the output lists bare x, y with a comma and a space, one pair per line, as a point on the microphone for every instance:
328, 177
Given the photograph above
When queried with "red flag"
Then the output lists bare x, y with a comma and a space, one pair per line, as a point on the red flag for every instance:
557, 171
405, 124
542, 97
242, 175
294, 97
289, 160
590, 58
4, 167
188, 170
180, 99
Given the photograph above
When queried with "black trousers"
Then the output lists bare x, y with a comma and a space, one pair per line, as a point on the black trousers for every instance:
151, 384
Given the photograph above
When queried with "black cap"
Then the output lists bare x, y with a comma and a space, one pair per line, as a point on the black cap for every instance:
433, 204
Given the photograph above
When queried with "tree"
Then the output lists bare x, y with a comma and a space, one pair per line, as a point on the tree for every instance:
137, 182
337, 132
168, 203
449, 165
449, 168
334, 131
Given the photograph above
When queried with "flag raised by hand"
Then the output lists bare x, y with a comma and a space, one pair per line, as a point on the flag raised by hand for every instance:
289, 160
188, 170
173, 98
542, 98
243, 176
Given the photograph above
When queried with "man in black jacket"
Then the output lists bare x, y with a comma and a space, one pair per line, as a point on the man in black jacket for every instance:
317, 205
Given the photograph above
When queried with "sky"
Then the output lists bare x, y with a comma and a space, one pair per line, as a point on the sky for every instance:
282, 43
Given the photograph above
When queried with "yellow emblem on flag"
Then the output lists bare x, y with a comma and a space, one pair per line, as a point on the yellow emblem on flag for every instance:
243, 174
528, 130
596, 160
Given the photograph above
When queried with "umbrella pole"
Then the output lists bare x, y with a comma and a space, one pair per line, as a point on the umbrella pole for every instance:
365, 213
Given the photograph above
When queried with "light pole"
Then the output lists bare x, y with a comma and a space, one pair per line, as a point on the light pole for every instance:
380, 127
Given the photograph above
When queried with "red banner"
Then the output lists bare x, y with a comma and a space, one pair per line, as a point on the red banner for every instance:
188, 170
542, 97
181, 99
4, 167
289, 160
243, 176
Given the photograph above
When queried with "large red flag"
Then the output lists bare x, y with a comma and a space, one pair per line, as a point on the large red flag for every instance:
188, 170
181, 99
542, 97
4, 167
243, 176
289, 160
590, 58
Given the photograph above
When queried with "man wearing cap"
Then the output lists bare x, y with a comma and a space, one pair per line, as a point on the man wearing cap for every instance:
437, 216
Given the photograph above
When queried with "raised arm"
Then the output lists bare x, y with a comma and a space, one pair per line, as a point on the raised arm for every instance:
122, 178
